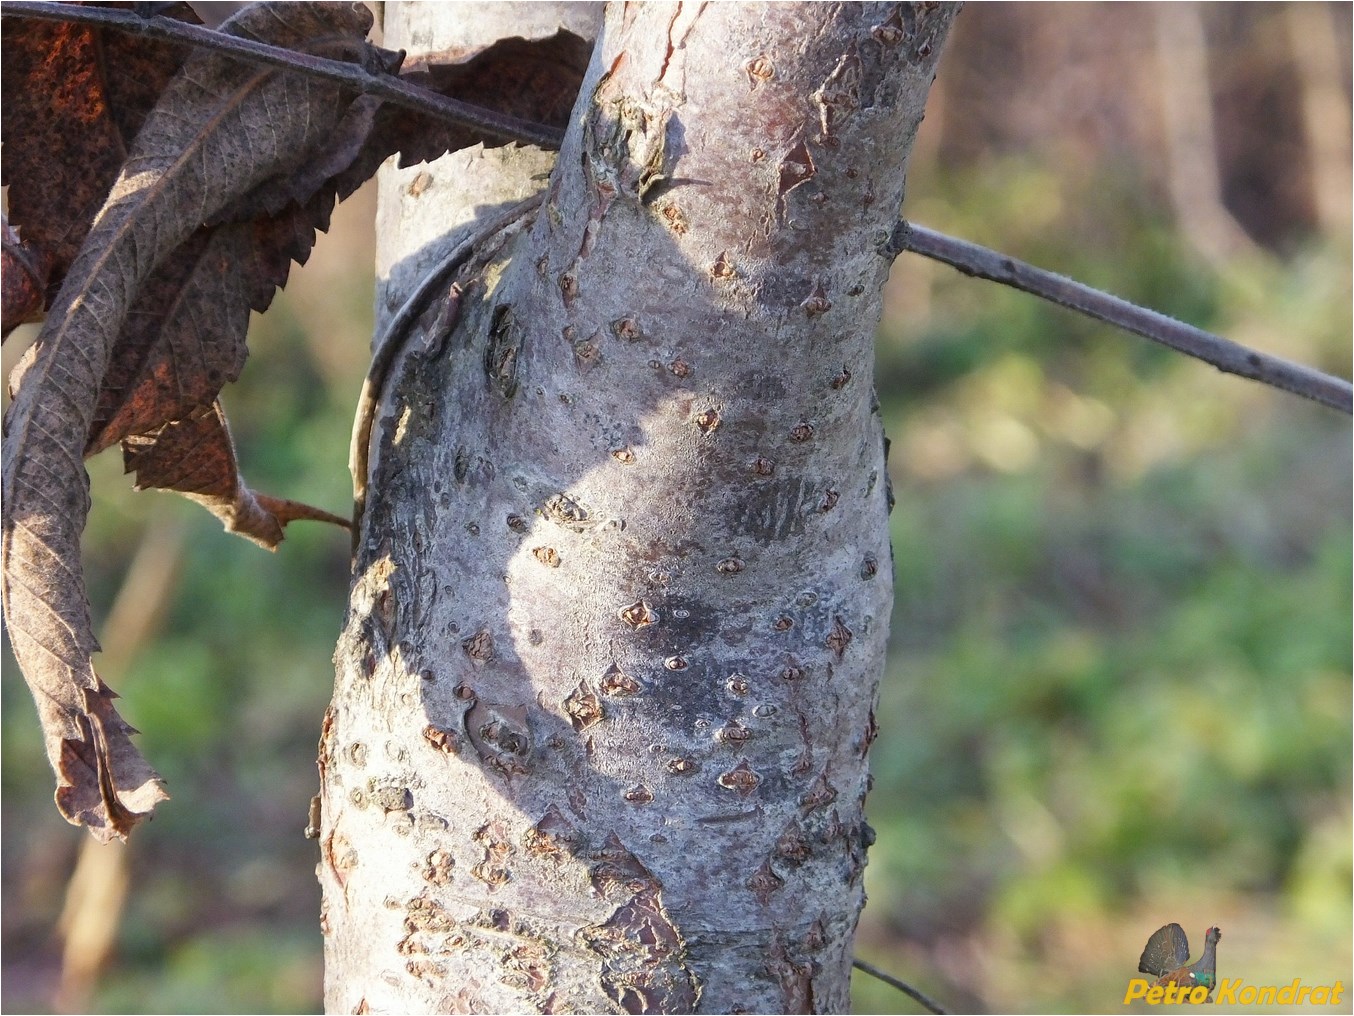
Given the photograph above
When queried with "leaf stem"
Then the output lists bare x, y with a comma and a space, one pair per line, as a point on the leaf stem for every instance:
387, 86
903, 986
1224, 354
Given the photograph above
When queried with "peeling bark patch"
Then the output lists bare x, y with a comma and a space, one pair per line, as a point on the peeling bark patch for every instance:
638, 615
733, 734
794, 977
742, 779
568, 288
445, 741
493, 869
869, 568
643, 958
341, 857
737, 684
801, 432
553, 837
501, 352
437, 867
563, 510
796, 169
583, 708
616, 684
723, 268
839, 638
617, 868
389, 795
638, 794
682, 766
586, 354
817, 301
841, 380
792, 846
676, 663
759, 69
674, 217
830, 498
626, 328
871, 732
707, 422
624, 456
500, 736
762, 466
765, 883
838, 97
890, 32
527, 966
820, 795
479, 647
547, 556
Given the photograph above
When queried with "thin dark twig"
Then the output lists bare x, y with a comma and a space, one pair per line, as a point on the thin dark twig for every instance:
386, 86
902, 986
1226, 355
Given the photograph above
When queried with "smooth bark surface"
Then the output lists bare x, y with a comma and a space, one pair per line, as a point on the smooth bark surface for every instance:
604, 695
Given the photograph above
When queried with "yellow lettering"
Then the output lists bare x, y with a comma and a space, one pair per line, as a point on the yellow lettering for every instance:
1287, 992
1246, 996
1197, 995
1336, 992
1321, 994
1269, 995
1227, 990
1303, 992
1137, 988
1154, 994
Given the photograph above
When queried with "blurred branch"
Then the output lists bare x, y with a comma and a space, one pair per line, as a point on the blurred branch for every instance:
97, 889
1191, 143
1313, 36
1224, 354
902, 986
387, 86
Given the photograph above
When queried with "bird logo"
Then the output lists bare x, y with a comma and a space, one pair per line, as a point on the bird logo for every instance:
1166, 958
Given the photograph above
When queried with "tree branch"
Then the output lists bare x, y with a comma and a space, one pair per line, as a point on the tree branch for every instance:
1228, 356
386, 86
902, 986
969, 258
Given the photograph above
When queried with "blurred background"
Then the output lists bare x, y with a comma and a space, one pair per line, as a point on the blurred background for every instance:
1118, 693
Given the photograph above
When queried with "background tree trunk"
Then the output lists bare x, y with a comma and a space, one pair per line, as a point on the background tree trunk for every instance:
605, 689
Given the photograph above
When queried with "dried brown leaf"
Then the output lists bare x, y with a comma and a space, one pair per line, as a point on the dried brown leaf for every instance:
75, 97
23, 279
532, 80
195, 457
219, 130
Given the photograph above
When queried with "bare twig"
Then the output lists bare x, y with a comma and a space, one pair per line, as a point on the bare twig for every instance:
1228, 356
386, 86
903, 986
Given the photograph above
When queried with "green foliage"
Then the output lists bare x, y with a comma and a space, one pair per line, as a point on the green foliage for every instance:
1119, 688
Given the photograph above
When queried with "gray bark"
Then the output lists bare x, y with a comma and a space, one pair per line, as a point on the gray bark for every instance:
604, 693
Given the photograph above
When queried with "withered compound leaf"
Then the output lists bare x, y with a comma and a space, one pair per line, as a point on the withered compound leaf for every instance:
75, 97
536, 80
220, 129
23, 279
196, 458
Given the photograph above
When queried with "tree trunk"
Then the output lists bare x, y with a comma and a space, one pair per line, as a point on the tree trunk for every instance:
604, 693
